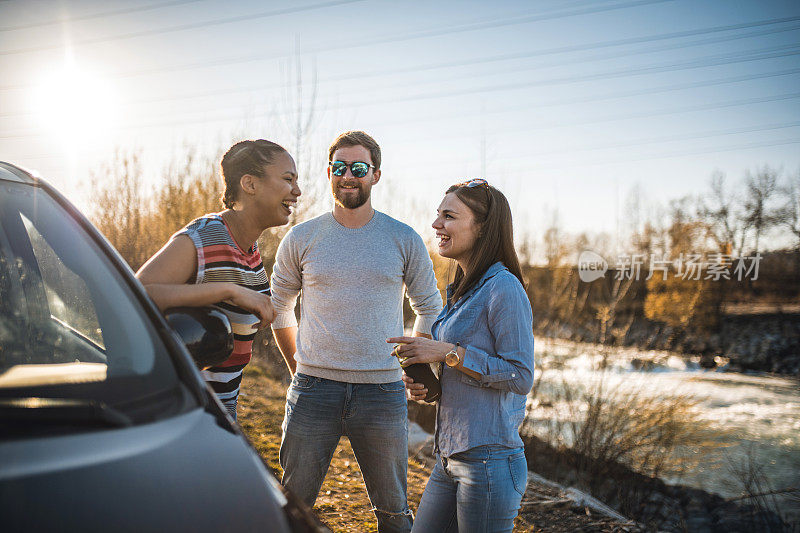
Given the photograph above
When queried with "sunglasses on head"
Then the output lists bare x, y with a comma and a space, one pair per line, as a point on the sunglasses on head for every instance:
359, 169
476, 182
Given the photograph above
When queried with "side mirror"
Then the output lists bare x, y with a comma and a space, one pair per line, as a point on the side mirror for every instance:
205, 331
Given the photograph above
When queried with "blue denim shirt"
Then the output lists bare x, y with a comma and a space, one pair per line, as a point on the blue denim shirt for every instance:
493, 321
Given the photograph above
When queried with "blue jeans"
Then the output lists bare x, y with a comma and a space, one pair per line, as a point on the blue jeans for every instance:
375, 418
479, 490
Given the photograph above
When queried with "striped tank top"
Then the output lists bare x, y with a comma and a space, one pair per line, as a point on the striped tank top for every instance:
219, 258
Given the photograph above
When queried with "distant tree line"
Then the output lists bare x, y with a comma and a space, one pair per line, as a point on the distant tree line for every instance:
138, 219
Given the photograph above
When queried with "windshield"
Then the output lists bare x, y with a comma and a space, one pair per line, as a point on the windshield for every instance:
70, 327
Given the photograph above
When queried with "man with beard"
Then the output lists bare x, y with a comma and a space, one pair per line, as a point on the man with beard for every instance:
352, 266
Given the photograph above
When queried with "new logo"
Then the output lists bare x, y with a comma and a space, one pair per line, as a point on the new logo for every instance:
591, 266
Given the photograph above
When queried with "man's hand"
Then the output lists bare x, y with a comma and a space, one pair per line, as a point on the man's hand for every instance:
414, 391
412, 350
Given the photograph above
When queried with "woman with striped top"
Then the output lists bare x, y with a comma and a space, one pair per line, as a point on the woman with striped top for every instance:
214, 260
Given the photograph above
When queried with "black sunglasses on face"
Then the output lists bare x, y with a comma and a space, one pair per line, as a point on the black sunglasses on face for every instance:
359, 169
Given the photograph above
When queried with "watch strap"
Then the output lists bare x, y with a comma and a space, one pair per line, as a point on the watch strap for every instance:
453, 354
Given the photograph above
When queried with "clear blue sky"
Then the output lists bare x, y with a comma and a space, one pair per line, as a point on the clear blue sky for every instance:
562, 104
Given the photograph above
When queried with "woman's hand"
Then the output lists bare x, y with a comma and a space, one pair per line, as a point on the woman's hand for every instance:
415, 391
253, 301
412, 350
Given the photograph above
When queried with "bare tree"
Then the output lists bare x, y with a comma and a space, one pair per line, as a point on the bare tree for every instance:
296, 116
300, 104
760, 190
647, 235
526, 246
718, 211
555, 249
607, 311
788, 214
684, 229
640, 238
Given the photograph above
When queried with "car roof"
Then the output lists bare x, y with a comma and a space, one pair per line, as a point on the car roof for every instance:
11, 172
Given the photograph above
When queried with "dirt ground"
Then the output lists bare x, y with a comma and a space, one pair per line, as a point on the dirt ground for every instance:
343, 504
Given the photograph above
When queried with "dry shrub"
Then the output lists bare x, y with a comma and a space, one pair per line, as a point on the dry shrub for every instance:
615, 441
191, 187
765, 509
121, 208
138, 221
605, 426
683, 303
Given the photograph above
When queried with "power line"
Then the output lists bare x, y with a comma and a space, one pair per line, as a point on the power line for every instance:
625, 144
526, 55
669, 138
616, 117
673, 87
364, 42
708, 61
440, 65
671, 155
569, 101
182, 27
437, 32
103, 14
748, 101
663, 155
716, 61
333, 47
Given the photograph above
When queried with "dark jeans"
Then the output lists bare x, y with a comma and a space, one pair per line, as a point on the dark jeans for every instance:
374, 417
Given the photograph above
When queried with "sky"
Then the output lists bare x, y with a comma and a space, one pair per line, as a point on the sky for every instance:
565, 106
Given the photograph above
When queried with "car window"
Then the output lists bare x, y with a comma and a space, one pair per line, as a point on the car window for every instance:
70, 326
67, 295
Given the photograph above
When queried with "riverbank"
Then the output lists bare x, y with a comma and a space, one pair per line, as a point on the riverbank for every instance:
745, 425
343, 504
744, 341
654, 504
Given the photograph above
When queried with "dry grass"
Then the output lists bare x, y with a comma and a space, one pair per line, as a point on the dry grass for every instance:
606, 425
137, 221
343, 503
608, 437
765, 511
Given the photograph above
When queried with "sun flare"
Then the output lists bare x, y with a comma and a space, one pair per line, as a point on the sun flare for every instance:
75, 106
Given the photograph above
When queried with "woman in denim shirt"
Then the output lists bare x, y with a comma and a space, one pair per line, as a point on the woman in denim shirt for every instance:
484, 335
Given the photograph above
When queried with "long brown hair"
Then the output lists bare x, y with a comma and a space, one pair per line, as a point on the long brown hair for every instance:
495, 240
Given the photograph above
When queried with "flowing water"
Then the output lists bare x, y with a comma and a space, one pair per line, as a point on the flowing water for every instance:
755, 418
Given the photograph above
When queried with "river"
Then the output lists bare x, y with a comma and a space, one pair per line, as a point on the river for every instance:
748, 414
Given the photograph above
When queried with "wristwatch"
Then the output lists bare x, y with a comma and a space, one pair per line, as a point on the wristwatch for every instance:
452, 359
